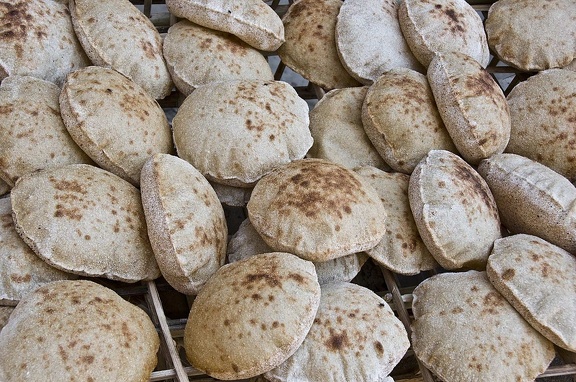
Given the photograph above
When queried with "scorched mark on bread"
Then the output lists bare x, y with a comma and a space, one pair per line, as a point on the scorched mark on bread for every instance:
454, 20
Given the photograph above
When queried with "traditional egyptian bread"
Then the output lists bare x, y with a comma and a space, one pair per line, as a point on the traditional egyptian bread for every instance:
196, 55
454, 211
317, 210
528, 271
267, 302
68, 329
185, 220
472, 105
232, 196
29, 118
533, 35
38, 40
251, 20
115, 34
114, 121
338, 132
441, 26
543, 114
401, 119
84, 220
351, 320
310, 47
364, 58
571, 66
532, 198
464, 330
401, 249
262, 124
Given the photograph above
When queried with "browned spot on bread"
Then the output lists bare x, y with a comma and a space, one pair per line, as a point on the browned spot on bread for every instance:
88, 359
20, 279
256, 296
271, 279
235, 368
275, 324
508, 274
337, 341
296, 277
148, 48
379, 348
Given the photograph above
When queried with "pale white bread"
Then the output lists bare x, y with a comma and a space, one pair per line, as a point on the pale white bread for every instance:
5, 312
532, 198
310, 47
4, 188
247, 242
338, 132
114, 120
71, 329
262, 124
185, 220
21, 271
38, 40
471, 104
266, 303
440, 26
317, 210
367, 57
571, 66
32, 133
232, 196
196, 55
543, 114
84, 220
454, 211
355, 337
533, 35
401, 119
539, 280
401, 249
464, 330
253, 21
115, 34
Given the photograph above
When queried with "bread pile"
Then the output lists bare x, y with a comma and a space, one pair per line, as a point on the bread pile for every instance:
414, 160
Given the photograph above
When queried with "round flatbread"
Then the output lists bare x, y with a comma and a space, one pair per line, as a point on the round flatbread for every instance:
68, 329
84, 220
266, 302
232, 196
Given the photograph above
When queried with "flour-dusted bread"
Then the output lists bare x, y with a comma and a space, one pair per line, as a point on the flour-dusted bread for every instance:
532, 198
235, 132
115, 34
114, 120
185, 220
38, 40
454, 211
533, 35
196, 55
401, 119
355, 337
266, 303
465, 330
252, 21
67, 330
84, 220
32, 133
543, 114
471, 104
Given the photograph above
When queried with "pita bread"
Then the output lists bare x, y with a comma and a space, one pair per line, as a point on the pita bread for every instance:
263, 124
25, 104
232, 196
267, 302
68, 329
401, 249
532, 198
533, 35
115, 34
310, 47
84, 220
571, 66
472, 105
339, 136
543, 114
317, 210
251, 20
185, 220
95, 101
401, 119
4, 187
364, 58
196, 56
454, 211
38, 40
355, 337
